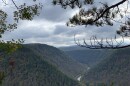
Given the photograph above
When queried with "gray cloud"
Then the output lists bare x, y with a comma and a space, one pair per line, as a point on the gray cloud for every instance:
50, 28
55, 13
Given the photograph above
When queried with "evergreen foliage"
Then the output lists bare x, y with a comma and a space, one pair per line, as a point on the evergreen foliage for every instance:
113, 69
25, 67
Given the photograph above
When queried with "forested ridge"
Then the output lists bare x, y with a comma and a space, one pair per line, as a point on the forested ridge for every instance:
58, 58
106, 67
89, 57
114, 69
30, 69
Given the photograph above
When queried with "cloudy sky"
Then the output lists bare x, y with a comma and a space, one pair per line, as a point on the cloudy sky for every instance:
50, 27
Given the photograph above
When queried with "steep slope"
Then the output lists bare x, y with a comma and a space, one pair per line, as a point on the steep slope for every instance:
27, 68
89, 57
59, 59
115, 69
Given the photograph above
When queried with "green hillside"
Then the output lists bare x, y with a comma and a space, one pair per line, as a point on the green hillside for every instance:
88, 56
115, 69
30, 69
59, 59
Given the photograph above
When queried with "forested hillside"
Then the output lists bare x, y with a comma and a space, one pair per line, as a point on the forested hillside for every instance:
59, 59
27, 68
71, 48
115, 69
87, 56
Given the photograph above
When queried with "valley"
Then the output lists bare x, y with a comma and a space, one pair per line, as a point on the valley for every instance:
40, 64
105, 67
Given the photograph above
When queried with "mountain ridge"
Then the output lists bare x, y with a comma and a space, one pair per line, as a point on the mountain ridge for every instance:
115, 69
59, 59
32, 69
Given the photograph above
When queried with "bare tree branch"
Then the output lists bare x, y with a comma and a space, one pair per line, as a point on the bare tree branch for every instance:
95, 43
15, 4
4, 2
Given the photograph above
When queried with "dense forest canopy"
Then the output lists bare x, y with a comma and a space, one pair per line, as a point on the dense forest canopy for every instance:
91, 13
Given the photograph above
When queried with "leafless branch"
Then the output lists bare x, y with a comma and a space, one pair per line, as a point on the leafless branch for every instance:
4, 2
15, 4
95, 43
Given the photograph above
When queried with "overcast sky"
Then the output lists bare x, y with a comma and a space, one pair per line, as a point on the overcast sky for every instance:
50, 27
